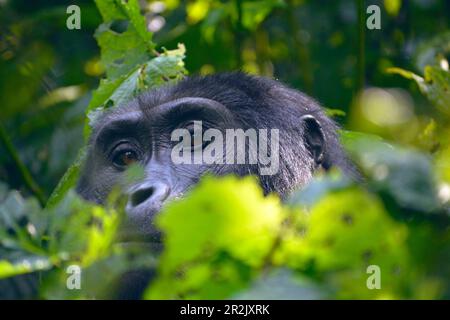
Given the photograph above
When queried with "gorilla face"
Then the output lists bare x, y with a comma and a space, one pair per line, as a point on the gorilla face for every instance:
143, 133
132, 136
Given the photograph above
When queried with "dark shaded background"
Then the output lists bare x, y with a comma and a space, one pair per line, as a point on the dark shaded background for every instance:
47, 71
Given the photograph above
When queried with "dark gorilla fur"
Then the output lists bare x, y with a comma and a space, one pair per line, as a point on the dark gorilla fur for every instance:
255, 102
308, 141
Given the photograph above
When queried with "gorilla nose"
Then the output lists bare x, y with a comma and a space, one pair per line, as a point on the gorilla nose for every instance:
151, 194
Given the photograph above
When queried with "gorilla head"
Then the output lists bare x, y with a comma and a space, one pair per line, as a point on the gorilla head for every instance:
143, 131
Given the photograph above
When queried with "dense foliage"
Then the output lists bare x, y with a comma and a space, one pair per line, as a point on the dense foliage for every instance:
225, 239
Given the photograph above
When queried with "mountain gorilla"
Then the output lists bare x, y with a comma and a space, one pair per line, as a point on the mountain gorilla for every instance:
141, 133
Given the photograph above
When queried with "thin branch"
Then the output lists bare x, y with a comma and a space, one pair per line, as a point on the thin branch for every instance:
360, 76
239, 30
300, 53
24, 172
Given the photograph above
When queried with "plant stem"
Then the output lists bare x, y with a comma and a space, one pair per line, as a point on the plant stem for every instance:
24, 172
239, 34
300, 53
360, 76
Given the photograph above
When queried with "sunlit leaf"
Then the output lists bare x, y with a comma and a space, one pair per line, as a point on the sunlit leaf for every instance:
435, 85
392, 6
201, 233
26, 265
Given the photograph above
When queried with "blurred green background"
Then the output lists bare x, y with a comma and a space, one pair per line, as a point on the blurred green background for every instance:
389, 85
47, 71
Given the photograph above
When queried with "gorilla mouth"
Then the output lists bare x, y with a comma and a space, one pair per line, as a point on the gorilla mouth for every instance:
139, 227
132, 234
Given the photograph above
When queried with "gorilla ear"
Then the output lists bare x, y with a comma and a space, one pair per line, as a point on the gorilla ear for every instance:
314, 138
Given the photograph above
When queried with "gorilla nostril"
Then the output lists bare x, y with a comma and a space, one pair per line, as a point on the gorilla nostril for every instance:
152, 194
141, 195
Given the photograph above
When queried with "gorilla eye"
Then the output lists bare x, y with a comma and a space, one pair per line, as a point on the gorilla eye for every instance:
123, 157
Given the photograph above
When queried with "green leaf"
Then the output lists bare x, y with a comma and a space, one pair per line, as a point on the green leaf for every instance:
25, 265
200, 237
392, 6
254, 12
121, 53
318, 188
111, 9
341, 234
435, 85
168, 66
282, 284
248, 219
429, 51
406, 175
68, 181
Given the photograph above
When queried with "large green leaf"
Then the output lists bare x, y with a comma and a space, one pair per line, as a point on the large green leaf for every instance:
201, 258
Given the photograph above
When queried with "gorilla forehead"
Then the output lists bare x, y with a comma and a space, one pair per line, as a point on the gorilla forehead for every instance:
249, 98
